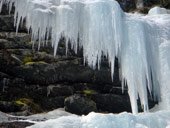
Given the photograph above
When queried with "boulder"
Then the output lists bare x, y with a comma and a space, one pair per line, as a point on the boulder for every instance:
111, 103
79, 105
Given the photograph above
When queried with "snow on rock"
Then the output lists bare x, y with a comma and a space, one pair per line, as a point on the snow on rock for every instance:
103, 29
123, 120
158, 10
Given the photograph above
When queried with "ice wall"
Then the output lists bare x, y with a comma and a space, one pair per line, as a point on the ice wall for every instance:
103, 29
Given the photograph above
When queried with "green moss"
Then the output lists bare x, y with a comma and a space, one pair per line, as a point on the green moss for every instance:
34, 108
30, 42
18, 102
44, 52
89, 92
29, 63
12, 62
27, 59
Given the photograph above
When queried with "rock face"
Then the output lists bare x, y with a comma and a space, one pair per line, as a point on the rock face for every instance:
33, 81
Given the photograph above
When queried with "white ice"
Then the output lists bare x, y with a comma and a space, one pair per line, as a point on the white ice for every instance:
96, 120
140, 42
61, 119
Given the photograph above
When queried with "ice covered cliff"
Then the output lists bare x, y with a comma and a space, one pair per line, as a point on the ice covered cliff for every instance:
140, 42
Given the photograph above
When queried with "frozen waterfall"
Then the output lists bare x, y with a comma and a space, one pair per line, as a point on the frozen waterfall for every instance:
140, 42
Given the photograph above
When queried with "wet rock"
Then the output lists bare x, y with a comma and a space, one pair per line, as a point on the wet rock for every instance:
111, 103
79, 105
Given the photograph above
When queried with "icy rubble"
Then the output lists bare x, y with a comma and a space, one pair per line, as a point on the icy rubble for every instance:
140, 42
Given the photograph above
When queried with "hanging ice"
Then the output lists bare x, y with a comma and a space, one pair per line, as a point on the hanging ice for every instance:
104, 29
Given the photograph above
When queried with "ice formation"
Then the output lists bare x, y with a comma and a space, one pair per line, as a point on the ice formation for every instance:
96, 120
140, 42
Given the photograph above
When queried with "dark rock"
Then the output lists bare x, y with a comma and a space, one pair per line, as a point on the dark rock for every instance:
36, 73
103, 76
5, 10
3, 75
7, 24
10, 106
21, 39
5, 44
111, 103
7, 82
55, 90
4, 84
8, 59
127, 5
44, 74
79, 105
59, 90
80, 87
114, 90
15, 124
48, 103
43, 56
21, 52
75, 73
